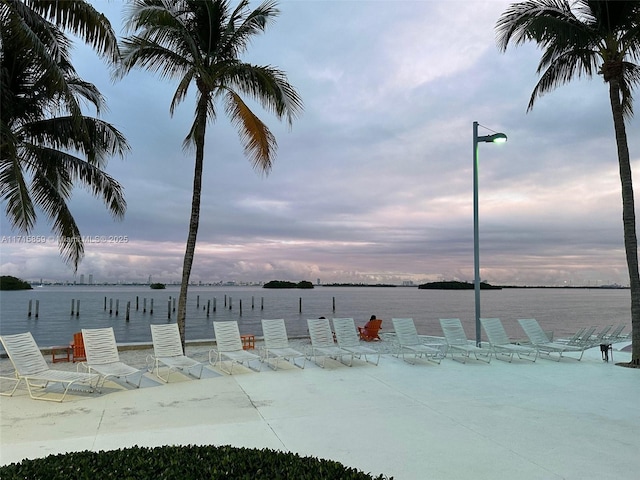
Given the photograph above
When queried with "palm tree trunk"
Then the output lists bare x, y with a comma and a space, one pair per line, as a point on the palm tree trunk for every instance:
194, 221
628, 216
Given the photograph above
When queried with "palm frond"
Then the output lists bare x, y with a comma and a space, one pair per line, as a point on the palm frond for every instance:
259, 143
84, 21
15, 191
266, 85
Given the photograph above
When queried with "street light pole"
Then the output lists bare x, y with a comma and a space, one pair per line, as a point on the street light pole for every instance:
495, 138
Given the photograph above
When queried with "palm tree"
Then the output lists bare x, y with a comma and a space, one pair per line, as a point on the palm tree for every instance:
582, 38
200, 41
47, 144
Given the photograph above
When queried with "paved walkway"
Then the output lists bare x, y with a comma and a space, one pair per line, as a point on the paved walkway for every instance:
543, 420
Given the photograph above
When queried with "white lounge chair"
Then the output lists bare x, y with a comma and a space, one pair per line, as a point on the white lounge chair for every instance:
348, 339
598, 338
229, 347
31, 367
579, 340
541, 342
408, 342
167, 351
616, 335
322, 344
501, 344
103, 358
575, 338
457, 341
276, 343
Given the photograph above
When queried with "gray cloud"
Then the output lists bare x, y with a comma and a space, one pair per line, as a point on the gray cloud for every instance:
373, 183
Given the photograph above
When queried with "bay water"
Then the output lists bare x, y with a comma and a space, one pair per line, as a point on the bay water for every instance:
561, 310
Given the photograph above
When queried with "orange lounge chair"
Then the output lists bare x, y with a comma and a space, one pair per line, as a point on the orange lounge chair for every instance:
77, 345
370, 331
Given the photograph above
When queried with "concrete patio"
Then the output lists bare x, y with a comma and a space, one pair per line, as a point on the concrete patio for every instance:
542, 420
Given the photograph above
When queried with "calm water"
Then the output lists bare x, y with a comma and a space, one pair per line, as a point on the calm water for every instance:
560, 310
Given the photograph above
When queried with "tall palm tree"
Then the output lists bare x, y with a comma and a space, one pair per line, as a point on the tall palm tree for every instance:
587, 37
200, 41
47, 144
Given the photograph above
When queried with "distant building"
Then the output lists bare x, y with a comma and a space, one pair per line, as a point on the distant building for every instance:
82, 279
318, 281
91, 279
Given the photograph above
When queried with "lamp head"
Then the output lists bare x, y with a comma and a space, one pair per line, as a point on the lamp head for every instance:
495, 138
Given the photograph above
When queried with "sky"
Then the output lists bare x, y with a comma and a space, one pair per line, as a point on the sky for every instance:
373, 183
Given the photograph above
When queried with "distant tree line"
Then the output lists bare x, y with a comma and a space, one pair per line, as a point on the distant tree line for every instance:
284, 284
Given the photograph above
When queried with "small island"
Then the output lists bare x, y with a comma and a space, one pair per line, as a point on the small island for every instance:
284, 284
7, 282
157, 286
455, 285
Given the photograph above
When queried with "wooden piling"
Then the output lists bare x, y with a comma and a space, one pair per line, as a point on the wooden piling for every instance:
137, 303
334, 304
29, 311
144, 305
110, 306
128, 310
105, 304
240, 307
169, 309
78, 308
37, 308
117, 306
73, 306
262, 303
214, 304
208, 306
300, 305
230, 303
151, 307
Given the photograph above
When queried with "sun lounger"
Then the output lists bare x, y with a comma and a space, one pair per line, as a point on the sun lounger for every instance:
598, 338
457, 341
540, 341
102, 356
229, 347
616, 335
576, 337
409, 343
31, 367
348, 340
502, 345
167, 351
322, 344
276, 343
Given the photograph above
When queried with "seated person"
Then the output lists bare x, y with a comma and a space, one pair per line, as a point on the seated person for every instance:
370, 330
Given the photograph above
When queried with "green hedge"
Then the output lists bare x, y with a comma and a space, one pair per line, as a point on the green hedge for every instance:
181, 463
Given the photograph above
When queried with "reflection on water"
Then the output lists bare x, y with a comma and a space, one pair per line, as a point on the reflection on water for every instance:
560, 310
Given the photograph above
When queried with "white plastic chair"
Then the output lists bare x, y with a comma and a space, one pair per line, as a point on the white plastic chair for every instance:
348, 339
167, 351
501, 344
229, 347
276, 344
103, 358
541, 342
31, 367
322, 344
457, 341
408, 342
